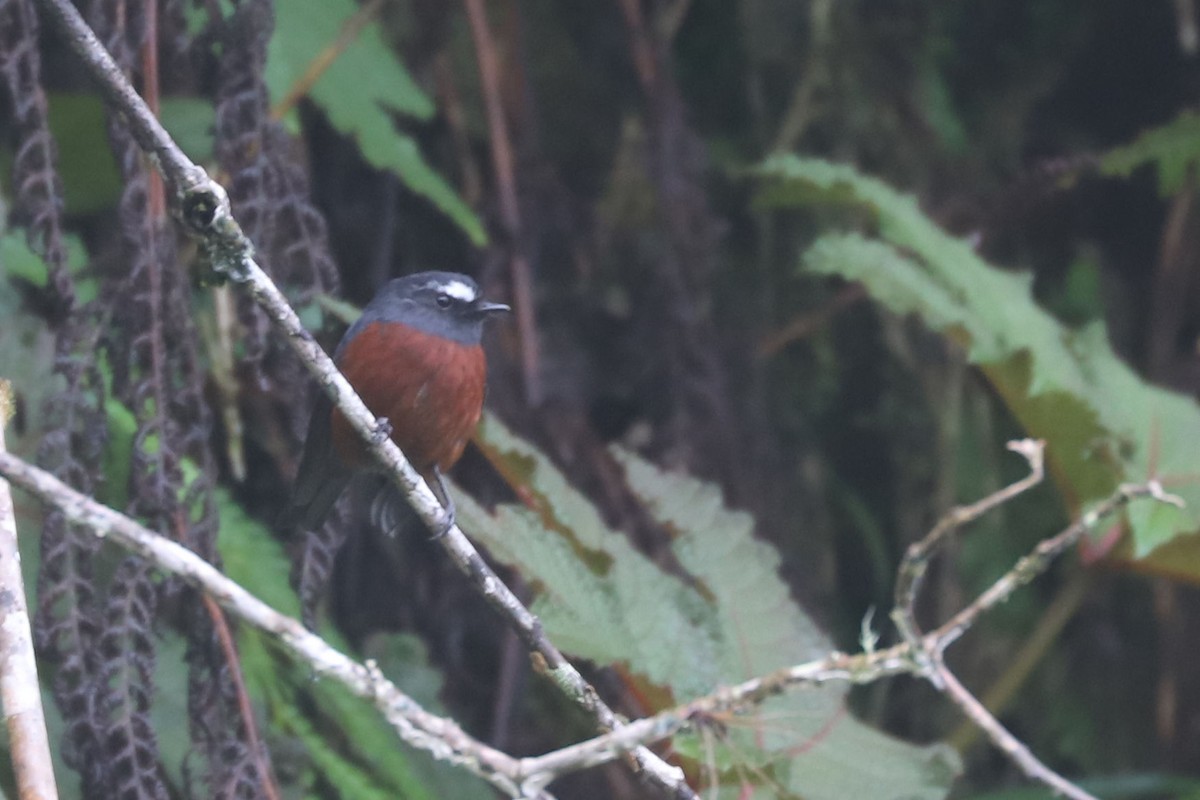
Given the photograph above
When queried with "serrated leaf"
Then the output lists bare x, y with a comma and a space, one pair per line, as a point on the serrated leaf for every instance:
738, 572
1172, 149
360, 92
820, 750
1103, 424
594, 587
601, 599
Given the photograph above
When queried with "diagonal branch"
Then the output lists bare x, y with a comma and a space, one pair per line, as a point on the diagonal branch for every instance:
440, 736
1012, 747
203, 207
916, 558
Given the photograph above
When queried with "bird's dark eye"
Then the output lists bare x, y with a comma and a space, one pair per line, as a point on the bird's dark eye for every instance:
443, 300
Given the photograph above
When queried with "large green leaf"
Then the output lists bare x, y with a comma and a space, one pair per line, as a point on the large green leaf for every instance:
594, 587
732, 618
361, 92
1102, 423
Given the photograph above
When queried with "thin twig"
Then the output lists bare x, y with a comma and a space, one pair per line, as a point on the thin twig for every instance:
861, 668
1017, 670
928, 652
24, 717
1032, 565
203, 207
804, 325
450, 101
644, 62
916, 559
1000, 736
814, 77
156, 204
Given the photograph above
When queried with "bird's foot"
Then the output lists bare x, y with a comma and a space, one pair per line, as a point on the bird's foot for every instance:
383, 430
447, 523
442, 493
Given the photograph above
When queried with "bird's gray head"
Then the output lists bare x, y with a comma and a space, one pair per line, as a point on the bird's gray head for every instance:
446, 304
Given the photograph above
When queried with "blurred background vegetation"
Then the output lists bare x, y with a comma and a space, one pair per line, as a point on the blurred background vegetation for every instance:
700, 278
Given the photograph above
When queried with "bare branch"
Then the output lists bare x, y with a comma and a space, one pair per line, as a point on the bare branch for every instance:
1034, 564
916, 558
19, 689
927, 652
1009, 744
861, 668
440, 736
1022, 573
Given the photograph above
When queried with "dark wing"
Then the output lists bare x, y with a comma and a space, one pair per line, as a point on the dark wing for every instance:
321, 477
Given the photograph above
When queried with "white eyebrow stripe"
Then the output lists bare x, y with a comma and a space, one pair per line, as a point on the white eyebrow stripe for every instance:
459, 290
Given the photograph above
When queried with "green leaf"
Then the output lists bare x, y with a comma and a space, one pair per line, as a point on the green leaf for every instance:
171, 705
1172, 149
91, 182
190, 121
17, 260
593, 587
361, 92
1102, 423
732, 618
26, 344
347, 778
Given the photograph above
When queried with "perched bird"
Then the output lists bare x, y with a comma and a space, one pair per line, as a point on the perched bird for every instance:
415, 359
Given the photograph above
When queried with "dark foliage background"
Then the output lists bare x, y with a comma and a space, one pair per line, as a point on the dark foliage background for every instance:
658, 307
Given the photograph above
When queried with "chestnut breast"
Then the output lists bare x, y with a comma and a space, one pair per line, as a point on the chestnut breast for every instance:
430, 389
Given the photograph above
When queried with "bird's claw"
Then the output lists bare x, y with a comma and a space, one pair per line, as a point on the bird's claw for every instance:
383, 430
437, 485
444, 528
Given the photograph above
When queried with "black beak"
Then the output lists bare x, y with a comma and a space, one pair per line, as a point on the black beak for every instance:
483, 308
